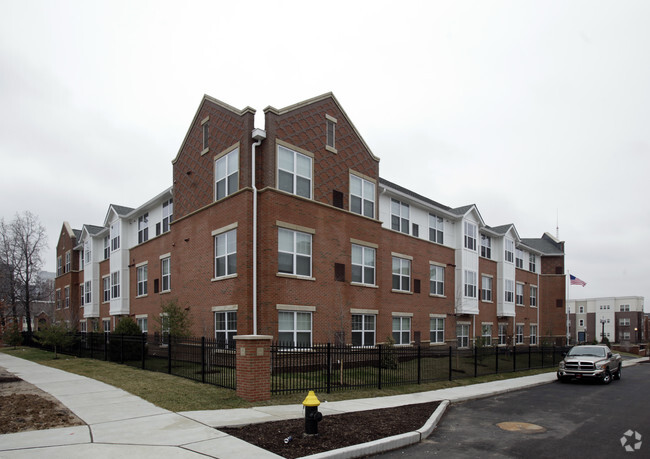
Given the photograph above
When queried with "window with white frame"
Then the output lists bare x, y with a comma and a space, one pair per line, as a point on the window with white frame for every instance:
225, 328
59, 265
471, 284
509, 291
143, 323
294, 328
625, 335
401, 274
437, 330
83, 326
67, 262
363, 329
58, 298
226, 175
88, 292
107, 247
294, 172
363, 264
331, 132
81, 259
581, 309
82, 296
115, 236
624, 321
66, 296
142, 279
470, 235
581, 322
486, 334
486, 288
87, 249
362, 196
115, 285
294, 252
519, 258
436, 229
503, 334
625, 308
462, 335
532, 262
106, 281
509, 250
519, 334
533, 296
519, 294
486, 246
225, 254
106, 325
399, 216
143, 228
533, 335
402, 330
168, 214
436, 280
165, 265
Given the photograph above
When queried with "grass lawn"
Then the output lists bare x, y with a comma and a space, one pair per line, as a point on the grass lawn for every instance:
179, 394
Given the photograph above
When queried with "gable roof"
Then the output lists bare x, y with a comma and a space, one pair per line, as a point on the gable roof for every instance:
544, 245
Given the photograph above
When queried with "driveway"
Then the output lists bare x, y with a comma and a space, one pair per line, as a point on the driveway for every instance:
579, 419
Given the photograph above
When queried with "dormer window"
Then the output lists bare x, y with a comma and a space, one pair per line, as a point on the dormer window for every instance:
470, 236
509, 250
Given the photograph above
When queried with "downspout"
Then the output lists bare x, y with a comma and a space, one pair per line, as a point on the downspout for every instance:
258, 135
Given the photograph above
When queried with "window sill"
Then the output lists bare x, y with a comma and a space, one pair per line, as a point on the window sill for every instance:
520, 305
435, 295
402, 291
331, 149
142, 296
359, 284
487, 301
162, 292
205, 150
437, 344
229, 276
295, 276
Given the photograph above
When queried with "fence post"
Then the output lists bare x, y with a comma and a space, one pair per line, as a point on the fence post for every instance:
121, 348
496, 361
542, 349
92, 339
329, 366
106, 346
203, 359
144, 349
253, 367
419, 364
514, 357
169, 354
529, 351
475, 361
379, 367
450, 367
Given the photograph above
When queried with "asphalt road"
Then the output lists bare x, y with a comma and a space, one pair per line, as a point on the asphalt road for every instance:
577, 419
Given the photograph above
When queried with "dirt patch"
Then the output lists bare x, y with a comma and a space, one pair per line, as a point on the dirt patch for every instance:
24, 407
334, 431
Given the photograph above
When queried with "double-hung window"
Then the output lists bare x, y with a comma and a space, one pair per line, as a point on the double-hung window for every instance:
533, 335
509, 250
106, 281
81, 291
436, 280
115, 284
402, 330
294, 328
294, 252
225, 328
67, 261
225, 254
519, 335
115, 236
399, 216
88, 292
624, 321
436, 229
486, 246
401, 274
294, 172
168, 214
165, 265
141, 278
462, 335
503, 334
486, 288
59, 266
437, 329
509, 291
363, 264
471, 281
363, 330
66, 296
143, 228
470, 236
226, 175
107, 247
532, 262
519, 259
520, 294
143, 323
362, 196
533, 296
87, 249
486, 334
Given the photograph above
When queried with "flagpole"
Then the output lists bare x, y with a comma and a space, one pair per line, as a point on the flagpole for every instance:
566, 308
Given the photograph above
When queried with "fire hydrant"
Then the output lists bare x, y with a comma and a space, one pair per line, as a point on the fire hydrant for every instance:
312, 415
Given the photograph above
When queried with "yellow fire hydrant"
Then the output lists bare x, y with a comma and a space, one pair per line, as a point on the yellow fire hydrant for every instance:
312, 415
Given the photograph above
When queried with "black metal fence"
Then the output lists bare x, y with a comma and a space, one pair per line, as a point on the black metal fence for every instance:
329, 367
201, 359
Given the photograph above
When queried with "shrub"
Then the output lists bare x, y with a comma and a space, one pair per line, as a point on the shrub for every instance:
127, 326
12, 336
388, 355
56, 336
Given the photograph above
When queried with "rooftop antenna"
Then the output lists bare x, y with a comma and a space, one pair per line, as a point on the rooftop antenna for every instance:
557, 224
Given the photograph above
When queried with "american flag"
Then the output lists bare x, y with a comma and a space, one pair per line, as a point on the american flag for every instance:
576, 281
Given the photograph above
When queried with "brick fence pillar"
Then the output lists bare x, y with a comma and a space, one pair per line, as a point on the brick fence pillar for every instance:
254, 367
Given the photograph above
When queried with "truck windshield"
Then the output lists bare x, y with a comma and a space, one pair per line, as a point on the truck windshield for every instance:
593, 351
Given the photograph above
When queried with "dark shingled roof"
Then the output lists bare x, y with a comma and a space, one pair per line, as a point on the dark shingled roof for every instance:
412, 194
121, 210
77, 233
462, 210
93, 229
544, 245
501, 229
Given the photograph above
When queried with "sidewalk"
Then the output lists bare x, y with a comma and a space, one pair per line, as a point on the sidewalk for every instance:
119, 423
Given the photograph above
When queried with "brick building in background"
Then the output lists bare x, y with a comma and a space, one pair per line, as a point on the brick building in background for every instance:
312, 246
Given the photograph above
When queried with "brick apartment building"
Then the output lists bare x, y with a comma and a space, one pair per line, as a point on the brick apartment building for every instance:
309, 246
620, 319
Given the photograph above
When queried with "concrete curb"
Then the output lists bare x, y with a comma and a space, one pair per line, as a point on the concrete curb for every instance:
388, 443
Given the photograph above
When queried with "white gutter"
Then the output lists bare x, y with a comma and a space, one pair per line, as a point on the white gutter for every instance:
258, 135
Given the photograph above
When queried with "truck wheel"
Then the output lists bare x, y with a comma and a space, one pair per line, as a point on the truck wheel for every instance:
607, 377
617, 375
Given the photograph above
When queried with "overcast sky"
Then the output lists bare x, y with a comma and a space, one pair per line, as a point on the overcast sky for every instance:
538, 112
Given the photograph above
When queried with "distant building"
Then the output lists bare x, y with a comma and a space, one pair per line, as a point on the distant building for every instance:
620, 319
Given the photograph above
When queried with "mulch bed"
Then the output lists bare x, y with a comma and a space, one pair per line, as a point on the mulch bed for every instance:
334, 431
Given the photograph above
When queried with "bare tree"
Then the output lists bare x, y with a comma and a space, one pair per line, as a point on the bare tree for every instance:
8, 260
23, 241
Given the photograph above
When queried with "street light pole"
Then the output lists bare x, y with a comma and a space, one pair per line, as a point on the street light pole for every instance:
602, 334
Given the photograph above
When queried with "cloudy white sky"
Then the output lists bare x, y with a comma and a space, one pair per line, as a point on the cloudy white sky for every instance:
538, 112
